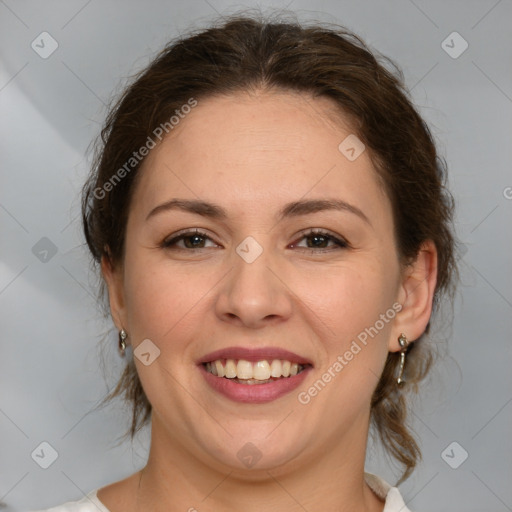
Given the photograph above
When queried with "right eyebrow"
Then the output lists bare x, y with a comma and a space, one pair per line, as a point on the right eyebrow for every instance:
192, 206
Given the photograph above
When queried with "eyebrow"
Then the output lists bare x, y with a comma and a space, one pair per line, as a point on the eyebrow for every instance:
293, 209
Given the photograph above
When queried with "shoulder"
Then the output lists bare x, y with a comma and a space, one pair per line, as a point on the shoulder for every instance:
89, 503
391, 495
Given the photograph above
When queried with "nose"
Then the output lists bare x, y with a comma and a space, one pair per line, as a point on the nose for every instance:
254, 294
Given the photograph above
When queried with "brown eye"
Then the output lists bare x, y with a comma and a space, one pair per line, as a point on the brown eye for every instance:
191, 240
318, 239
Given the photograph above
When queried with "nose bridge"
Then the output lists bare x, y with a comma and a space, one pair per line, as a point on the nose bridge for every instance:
252, 292
252, 277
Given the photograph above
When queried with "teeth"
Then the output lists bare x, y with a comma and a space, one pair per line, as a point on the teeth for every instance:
219, 369
230, 369
261, 370
250, 373
244, 369
276, 368
251, 382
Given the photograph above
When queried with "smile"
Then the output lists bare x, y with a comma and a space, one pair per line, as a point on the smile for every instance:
242, 371
253, 390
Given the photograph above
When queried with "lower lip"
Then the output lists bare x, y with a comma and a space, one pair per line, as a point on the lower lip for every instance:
254, 393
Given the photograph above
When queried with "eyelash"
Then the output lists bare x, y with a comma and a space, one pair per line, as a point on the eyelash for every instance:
341, 243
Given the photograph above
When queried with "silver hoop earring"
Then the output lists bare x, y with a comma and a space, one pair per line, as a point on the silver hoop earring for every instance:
122, 341
404, 344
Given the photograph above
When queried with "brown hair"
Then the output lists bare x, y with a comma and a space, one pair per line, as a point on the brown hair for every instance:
247, 53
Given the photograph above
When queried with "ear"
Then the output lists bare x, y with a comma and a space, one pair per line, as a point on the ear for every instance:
114, 279
416, 295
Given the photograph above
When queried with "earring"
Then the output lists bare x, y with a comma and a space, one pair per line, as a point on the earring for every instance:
122, 342
402, 340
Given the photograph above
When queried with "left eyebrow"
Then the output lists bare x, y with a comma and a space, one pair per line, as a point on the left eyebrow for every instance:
293, 209
305, 207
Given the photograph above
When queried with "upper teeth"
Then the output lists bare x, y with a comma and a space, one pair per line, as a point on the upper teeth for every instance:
262, 370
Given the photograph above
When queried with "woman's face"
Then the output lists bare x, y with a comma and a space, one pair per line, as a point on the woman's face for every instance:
254, 284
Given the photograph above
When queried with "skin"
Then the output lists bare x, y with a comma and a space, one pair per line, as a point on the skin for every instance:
251, 154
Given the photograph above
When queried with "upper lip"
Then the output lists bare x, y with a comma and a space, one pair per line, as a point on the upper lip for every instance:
254, 355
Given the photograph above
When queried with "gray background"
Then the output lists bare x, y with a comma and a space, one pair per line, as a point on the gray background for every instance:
50, 364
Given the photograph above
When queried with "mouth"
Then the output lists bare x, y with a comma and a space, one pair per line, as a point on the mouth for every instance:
250, 373
254, 375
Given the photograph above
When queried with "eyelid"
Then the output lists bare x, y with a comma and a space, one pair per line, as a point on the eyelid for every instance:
184, 233
338, 240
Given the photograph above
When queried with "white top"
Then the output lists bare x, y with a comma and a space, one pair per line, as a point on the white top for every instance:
393, 499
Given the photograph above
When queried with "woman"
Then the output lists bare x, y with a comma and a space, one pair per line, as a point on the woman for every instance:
269, 213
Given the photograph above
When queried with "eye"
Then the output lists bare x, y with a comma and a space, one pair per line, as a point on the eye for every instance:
320, 239
317, 239
191, 240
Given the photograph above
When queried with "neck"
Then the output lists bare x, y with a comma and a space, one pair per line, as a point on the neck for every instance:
173, 479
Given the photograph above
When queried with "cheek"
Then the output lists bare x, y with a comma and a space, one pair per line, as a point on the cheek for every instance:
166, 301
156, 297
356, 304
349, 297
339, 300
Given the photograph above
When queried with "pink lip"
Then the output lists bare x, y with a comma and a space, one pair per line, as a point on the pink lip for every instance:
256, 393
254, 355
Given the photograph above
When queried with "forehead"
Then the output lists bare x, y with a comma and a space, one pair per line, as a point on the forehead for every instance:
261, 148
